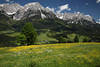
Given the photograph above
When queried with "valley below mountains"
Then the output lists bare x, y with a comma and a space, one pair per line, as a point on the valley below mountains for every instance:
51, 27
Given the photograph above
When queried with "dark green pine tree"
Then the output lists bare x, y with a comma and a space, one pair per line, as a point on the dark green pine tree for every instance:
30, 33
76, 39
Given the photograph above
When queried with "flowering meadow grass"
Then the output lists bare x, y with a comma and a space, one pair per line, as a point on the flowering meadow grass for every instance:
51, 55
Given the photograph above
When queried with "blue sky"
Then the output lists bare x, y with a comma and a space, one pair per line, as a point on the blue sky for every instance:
90, 7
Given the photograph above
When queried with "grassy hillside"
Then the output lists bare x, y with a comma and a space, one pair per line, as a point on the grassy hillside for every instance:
7, 38
63, 27
59, 31
51, 55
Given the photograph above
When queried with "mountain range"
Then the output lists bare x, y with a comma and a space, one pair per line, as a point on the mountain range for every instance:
14, 16
32, 9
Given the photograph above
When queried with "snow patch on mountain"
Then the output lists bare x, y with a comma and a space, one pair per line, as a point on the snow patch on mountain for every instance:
11, 13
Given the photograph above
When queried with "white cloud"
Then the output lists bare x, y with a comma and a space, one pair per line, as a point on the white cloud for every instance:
63, 7
10, 1
98, 21
51, 9
7, 0
87, 15
98, 1
78, 12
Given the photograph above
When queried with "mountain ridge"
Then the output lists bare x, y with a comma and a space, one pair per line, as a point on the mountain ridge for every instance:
18, 11
35, 8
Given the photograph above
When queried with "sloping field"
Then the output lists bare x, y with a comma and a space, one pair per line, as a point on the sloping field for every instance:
51, 55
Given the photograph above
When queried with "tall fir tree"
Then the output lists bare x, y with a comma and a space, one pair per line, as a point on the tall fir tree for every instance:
30, 33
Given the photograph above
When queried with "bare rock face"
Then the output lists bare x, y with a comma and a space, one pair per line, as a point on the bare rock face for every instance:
76, 18
33, 6
19, 14
36, 10
29, 10
1, 5
11, 8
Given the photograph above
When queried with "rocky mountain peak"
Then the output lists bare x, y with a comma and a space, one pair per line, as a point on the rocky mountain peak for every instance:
11, 9
75, 17
33, 6
28, 10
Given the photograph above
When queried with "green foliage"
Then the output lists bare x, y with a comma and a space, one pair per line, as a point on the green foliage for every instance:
44, 38
62, 40
21, 39
86, 39
71, 37
8, 38
30, 33
76, 39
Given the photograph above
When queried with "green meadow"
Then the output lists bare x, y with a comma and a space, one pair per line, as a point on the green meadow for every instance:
51, 55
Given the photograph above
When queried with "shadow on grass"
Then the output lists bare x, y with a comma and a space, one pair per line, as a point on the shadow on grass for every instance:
5, 41
32, 64
98, 65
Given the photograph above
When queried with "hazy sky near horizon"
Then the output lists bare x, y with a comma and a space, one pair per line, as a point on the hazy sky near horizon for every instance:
88, 7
